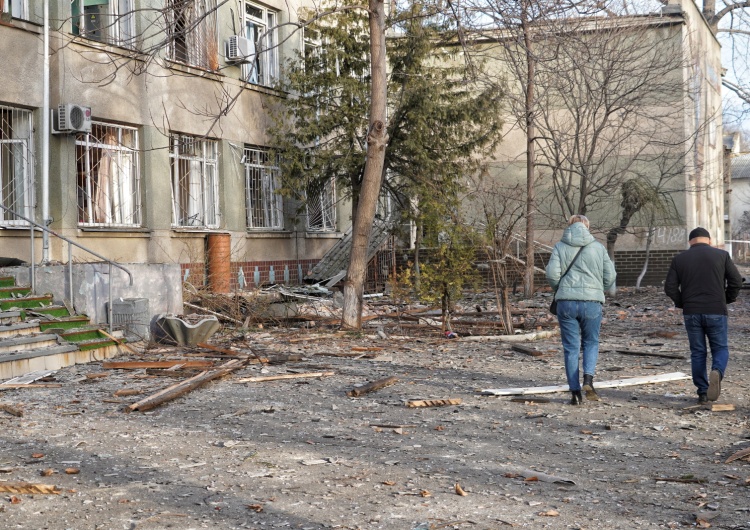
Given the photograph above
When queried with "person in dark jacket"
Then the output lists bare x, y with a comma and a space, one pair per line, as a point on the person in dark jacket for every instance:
580, 295
702, 281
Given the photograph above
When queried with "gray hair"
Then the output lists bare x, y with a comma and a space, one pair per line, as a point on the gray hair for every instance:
578, 218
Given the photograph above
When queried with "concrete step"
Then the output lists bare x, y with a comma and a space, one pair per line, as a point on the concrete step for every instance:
18, 329
11, 317
29, 342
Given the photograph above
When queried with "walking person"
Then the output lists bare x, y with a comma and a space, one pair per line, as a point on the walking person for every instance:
579, 272
702, 281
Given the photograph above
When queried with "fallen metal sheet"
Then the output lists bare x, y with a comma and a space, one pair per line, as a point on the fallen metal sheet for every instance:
29, 378
628, 381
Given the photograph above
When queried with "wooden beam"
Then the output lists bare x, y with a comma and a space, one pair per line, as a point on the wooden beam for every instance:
285, 376
134, 365
184, 387
372, 386
433, 402
651, 354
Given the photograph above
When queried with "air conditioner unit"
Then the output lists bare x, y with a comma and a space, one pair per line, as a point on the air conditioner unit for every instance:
73, 118
239, 49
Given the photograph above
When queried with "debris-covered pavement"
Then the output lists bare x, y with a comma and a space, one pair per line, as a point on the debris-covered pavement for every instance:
291, 438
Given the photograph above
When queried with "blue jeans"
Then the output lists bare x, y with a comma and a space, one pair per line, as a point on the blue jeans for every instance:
699, 327
579, 328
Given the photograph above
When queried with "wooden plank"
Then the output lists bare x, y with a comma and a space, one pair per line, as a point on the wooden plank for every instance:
433, 402
132, 365
651, 354
285, 376
528, 351
30, 385
10, 409
372, 386
722, 407
615, 383
28, 488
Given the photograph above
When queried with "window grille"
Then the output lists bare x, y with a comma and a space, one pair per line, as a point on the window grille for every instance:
195, 188
108, 176
109, 21
321, 206
16, 165
264, 204
192, 33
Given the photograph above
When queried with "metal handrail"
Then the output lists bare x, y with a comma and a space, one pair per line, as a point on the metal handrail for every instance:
70, 262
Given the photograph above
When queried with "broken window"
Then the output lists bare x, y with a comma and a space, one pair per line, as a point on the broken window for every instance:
321, 206
264, 203
108, 176
109, 21
262, 67
16, 163
17, 8
195, 188
192, 33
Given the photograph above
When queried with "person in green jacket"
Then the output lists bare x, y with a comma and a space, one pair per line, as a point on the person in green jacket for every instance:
580, 295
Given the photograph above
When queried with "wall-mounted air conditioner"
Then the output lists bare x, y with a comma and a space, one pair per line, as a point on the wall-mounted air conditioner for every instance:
72, 118
239, 49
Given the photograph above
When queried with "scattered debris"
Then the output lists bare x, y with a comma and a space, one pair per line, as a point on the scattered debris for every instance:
528, 351
10, 409
459, 490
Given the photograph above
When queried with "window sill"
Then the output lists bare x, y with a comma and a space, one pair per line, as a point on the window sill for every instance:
194, 70
107, 47
194, 230
20, 23
114, 231
324, 235
268, 234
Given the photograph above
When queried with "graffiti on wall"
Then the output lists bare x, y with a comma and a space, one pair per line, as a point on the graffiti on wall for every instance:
670, 235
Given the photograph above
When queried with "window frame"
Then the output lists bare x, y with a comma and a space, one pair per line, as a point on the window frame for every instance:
22, 185
116, 202
186, 208
119, 26
260, 169
263, 68
21, 11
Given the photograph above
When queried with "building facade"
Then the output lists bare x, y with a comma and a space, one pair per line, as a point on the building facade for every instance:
158, 113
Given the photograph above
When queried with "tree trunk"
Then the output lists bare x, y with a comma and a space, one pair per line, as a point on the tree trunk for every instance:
377, 140
528, 288
649, 239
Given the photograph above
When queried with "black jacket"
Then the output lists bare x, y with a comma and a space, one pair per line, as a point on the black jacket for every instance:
703, 280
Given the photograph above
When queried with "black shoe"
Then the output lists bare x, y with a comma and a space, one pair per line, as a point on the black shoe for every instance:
588, 387
714, 385
575, 397
702, 399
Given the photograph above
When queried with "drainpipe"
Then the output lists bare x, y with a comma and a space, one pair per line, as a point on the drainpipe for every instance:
45, 138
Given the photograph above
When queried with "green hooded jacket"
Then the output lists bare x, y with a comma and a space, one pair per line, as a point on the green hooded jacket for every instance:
591, 275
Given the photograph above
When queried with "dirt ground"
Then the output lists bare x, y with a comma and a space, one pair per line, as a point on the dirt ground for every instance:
301, 454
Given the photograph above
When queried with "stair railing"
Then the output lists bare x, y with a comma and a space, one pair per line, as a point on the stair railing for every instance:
71, 244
